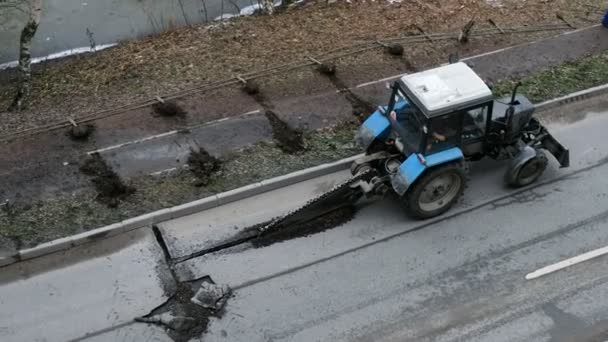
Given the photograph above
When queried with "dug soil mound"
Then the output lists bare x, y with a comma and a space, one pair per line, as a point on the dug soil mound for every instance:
182, 319
317, 225
288, 139
81, 132
110, 188
168, 109
203, 165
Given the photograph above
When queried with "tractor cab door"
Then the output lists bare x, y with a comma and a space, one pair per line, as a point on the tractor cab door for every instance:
476, 123
444, 132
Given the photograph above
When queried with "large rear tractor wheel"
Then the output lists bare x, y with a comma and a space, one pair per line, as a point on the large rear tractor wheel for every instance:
529, 172
435, 192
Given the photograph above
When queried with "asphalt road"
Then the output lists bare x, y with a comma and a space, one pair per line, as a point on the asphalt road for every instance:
379, 277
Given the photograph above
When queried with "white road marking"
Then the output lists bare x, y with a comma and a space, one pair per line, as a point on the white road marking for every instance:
567, 263
113, 147
380, 80
161, 135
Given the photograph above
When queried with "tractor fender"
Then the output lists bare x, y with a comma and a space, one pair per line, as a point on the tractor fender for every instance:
518, 162
376, 126
416, 164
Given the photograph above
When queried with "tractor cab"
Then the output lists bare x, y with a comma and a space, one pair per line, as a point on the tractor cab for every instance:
452, 107
434, 110
438, 120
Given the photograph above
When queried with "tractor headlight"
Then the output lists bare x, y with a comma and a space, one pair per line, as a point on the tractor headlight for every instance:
365, 137
399, 183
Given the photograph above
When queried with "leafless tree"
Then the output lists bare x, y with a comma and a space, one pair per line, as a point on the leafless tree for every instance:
33, 9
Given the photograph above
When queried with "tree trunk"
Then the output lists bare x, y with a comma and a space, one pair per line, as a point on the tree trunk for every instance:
268, 6
25, 60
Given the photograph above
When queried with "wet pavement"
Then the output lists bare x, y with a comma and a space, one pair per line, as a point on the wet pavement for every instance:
85, 290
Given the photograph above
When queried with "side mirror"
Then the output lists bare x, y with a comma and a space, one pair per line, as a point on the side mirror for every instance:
387, 85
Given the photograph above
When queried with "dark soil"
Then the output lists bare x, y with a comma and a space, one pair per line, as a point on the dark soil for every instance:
192, 319
321, 223
81, 132
361, 107
251, 88
203, 165
328, 69
395, 49
288, 139
168, 109
110, 188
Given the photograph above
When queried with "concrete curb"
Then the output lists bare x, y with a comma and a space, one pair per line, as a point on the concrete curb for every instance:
571, 98
231, 196
156, 217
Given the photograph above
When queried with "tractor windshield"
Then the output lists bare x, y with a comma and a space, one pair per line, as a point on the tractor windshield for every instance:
410, 125
410, 128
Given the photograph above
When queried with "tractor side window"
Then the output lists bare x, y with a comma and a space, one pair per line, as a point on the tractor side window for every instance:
476, 119
444, 133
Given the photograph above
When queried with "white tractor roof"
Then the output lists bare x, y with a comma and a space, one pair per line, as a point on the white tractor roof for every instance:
451, 87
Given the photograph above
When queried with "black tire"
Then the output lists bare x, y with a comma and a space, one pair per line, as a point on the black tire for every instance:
530, 171
414, 201
355, 168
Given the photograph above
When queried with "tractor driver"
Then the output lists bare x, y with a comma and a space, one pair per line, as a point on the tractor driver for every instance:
438, 135
441, 132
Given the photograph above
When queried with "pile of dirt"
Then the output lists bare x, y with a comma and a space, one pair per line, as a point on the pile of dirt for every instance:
110, 188
81, 132
251, 88
319, 224
395, 49
328, 69
168, 109
182, 319
288, 139
203, 165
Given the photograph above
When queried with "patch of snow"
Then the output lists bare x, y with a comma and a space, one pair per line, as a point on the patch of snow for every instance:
225, 16
248, 10
61, 54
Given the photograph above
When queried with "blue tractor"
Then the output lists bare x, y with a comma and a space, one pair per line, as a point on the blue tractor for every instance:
436, 122
417, 147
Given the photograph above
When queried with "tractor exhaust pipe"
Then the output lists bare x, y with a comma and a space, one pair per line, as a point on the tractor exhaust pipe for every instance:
512, 103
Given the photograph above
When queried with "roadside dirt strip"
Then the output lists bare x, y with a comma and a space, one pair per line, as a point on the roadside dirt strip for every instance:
145, 143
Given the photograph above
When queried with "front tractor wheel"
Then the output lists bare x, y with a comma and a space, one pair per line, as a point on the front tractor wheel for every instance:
529, 172
435, 192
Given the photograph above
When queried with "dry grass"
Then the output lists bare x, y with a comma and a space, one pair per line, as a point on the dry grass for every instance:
179, 59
